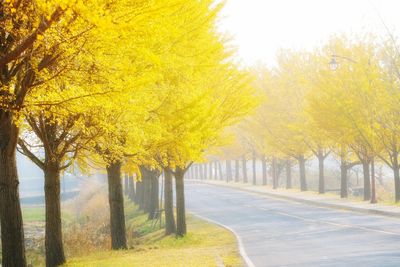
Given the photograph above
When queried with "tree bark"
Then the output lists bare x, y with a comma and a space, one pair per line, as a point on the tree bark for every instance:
170, 227
180, 202
116, 201
367, 180
154, 190
201, 171
12, 233
264, 170
228, 170
396, 175
237, 166
139, 194
196, 173
302, 166
244, 162
146, 193
126, 184
131, 188
321, 177
274, 174
288, 175
254, 168
373, 190
53, 229
343, 180
221, 177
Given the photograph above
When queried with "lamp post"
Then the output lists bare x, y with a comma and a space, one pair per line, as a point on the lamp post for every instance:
334, 65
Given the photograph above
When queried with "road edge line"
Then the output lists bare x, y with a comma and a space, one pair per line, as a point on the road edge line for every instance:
242, 251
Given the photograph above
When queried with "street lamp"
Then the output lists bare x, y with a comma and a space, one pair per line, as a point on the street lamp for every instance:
333, 65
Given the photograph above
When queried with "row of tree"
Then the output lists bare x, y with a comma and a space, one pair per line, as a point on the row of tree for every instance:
340, 99
146, 194
133, 86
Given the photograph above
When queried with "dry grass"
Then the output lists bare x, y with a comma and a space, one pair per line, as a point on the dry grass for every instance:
89, 231
87, 238
205, 245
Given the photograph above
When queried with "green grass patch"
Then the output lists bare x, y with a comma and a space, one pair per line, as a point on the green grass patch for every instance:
33, 213
205, 245
38, 214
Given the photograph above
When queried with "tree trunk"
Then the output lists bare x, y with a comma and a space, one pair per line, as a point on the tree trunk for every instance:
12, 232
53, 229
139, 194
170, 227
201, 171
237, 166
396, 175
244, 169
264, 170
288, 175
228, 170
116, 201
205, 171
146, 193
367, 180
131, 188
321, 177
180, 203
210, 168
126, 184
303, 180
343, 180
274, 174
221, 177
196, 172
373, 190
396, 182
154, 190
254, 168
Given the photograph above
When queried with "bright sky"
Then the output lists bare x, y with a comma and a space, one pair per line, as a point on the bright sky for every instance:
260, 27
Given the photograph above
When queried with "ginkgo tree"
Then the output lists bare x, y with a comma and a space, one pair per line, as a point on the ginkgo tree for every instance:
283, 116
33, 40
345, 104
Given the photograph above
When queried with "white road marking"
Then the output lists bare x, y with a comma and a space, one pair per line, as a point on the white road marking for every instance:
332, 223
242, 251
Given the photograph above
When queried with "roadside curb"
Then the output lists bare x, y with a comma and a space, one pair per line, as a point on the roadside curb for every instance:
311, 202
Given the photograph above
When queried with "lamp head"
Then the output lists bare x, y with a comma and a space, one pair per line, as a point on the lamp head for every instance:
333, 65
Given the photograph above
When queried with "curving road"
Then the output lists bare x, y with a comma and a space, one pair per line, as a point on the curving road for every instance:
277, 232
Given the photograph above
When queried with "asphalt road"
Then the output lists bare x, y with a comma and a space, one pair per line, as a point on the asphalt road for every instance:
276, 232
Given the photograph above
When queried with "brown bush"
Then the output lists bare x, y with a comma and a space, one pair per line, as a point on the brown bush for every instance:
89, 229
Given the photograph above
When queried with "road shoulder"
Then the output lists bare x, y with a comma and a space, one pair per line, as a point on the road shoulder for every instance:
312, 198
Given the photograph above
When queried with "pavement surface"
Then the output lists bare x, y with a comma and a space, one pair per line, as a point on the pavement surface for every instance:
280, 232
309, 197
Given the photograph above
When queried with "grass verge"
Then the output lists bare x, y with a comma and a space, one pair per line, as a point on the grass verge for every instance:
205, 245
